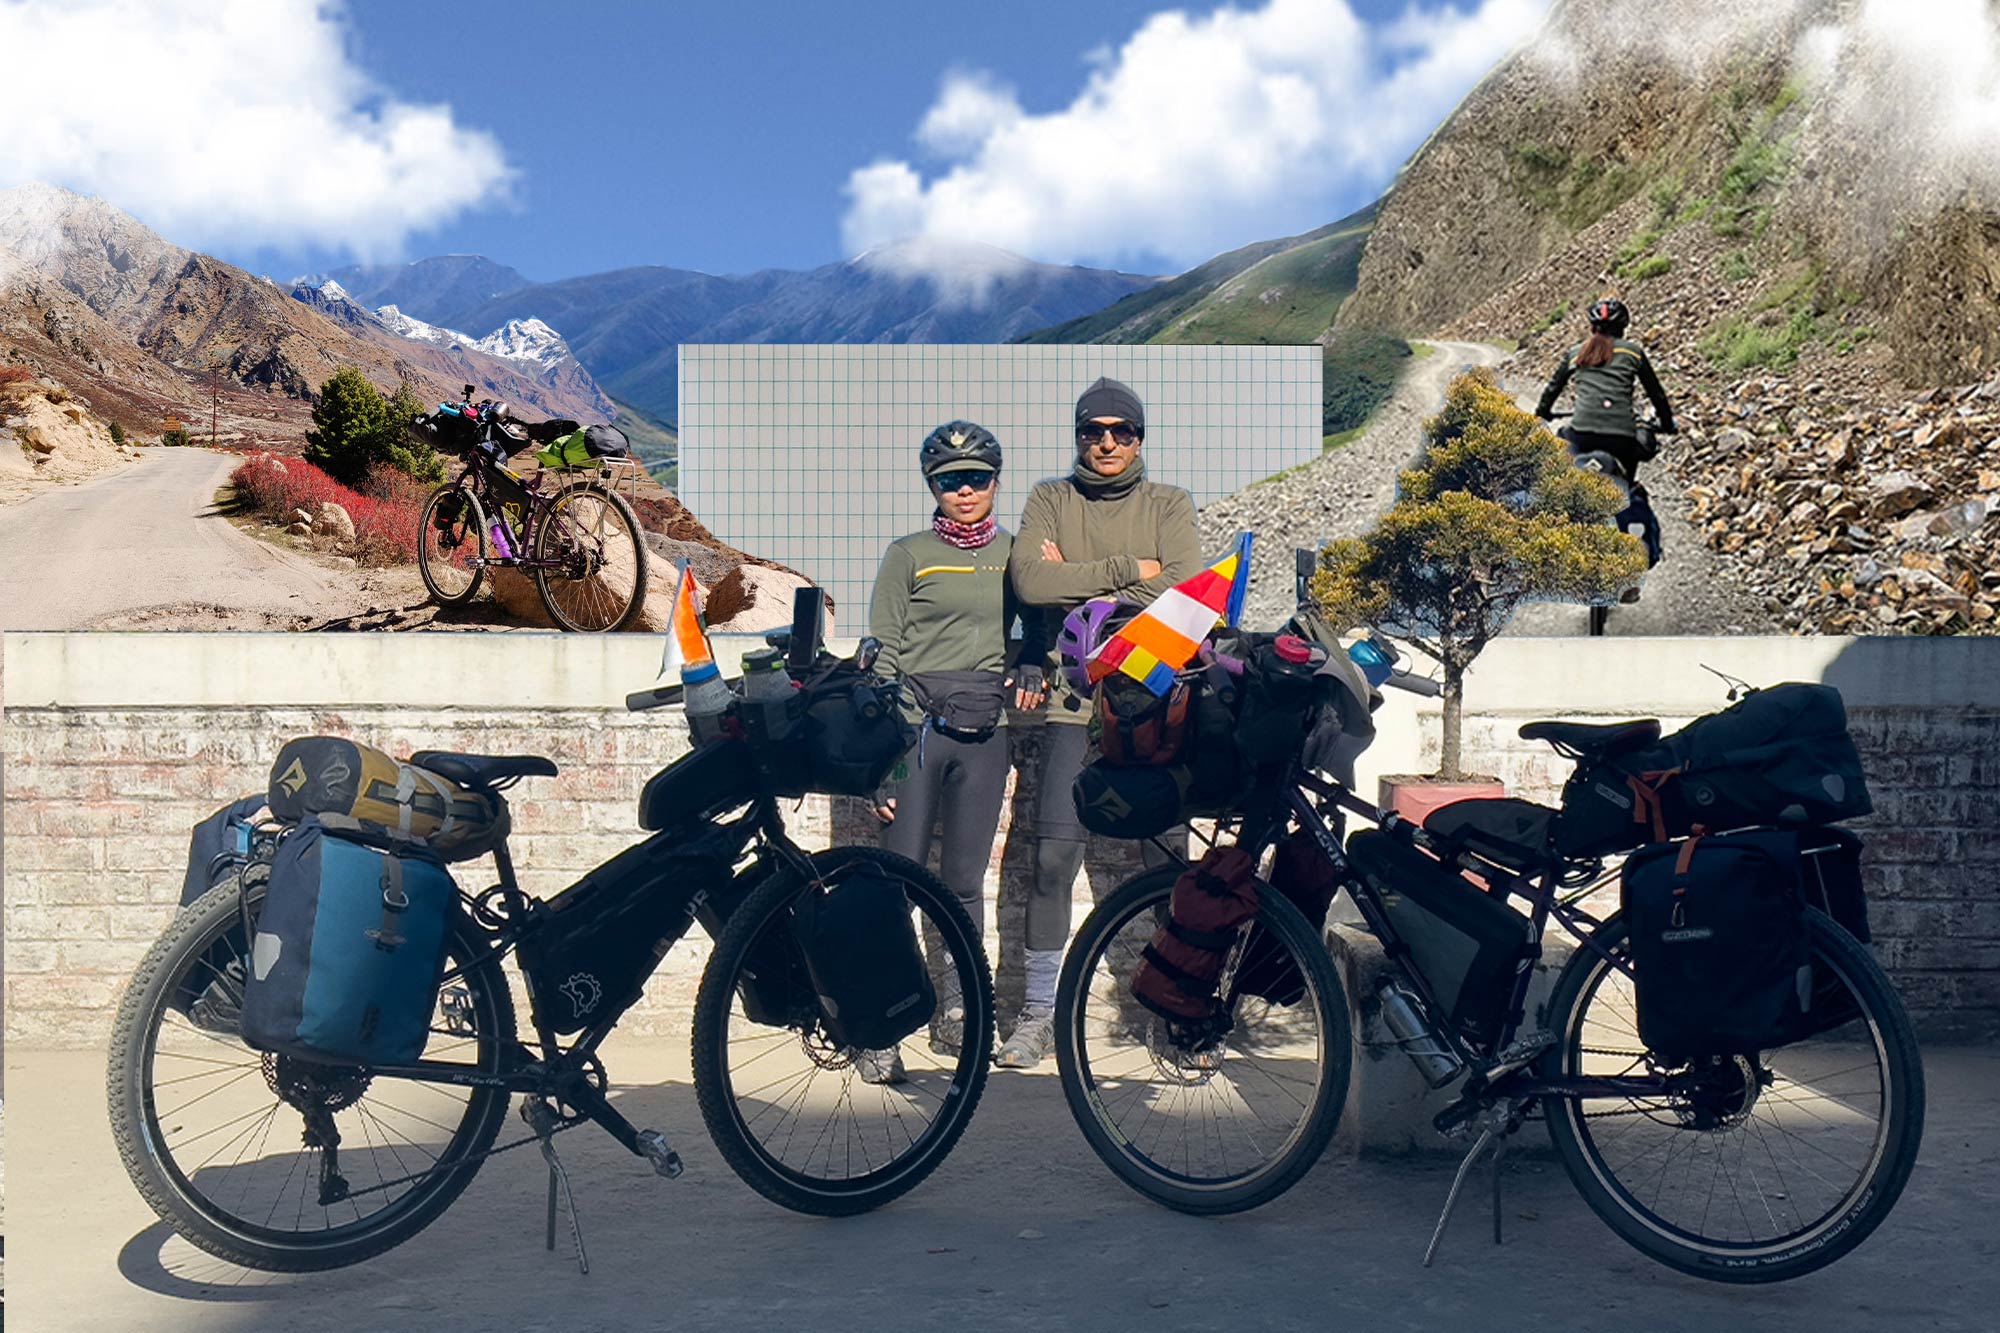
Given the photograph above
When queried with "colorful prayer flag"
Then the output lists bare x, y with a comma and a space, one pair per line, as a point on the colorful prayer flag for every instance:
1162, 639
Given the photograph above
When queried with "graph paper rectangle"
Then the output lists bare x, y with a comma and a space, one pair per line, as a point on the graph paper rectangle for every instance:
807, 453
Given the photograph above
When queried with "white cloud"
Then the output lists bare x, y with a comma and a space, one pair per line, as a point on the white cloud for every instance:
220, 121
1200, 132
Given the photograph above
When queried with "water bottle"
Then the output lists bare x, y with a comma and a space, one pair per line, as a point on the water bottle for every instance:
767, 692
502, 547
706, 698
1433, 1059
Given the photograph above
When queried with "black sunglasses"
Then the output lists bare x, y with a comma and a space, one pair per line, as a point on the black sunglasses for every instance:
1124, 432
947, 482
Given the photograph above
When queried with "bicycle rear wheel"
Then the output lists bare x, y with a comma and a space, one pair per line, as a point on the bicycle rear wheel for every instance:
789, 1109
211, 1131
591, 536
1741, 1170
1218, 1122
451, 545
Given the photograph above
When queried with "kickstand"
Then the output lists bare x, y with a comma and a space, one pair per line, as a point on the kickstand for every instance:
543, 1122
1451, 1199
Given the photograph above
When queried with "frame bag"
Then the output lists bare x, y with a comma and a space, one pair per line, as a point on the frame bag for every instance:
862, 956
348, 952
1720, 960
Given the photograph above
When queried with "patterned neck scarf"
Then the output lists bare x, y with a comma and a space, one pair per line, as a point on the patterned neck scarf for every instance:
965, 536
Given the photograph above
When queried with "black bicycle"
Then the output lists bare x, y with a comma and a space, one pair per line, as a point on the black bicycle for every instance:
276, 1163
1741, 1169
578, 538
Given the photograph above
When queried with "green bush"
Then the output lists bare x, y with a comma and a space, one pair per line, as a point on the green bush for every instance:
174, 437
117, 433
355, 431
1739, 266
1651, 267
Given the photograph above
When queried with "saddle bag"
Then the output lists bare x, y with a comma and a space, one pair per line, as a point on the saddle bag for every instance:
602, 938
386, 797
1180, 967
1308, 880
861, 953
348, 952
1466, 945
1720, 959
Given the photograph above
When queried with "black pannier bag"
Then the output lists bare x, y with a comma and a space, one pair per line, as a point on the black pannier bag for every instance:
1467, 945
1779, 756
1720, 960
602, 937
861, 952
1301, 872
218, 847
218, 852
348, 951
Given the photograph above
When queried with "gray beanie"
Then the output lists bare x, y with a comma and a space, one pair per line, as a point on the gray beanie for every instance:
1109, 398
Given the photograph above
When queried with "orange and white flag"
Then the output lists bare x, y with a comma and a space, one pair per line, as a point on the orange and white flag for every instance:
687, 638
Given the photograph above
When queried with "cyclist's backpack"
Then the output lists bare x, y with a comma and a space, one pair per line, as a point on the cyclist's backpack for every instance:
348, 952
1301, 872
862, 954
1467, 945
1179, 969
326, 775
601, 938
1720, 960
1135, 727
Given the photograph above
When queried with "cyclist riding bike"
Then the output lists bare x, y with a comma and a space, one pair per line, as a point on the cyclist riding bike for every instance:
943, 609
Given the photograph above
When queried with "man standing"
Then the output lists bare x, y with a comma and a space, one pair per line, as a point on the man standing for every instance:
1102, 531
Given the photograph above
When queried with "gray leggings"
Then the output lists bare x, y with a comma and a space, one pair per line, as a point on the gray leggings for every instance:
964, 782
1059, 837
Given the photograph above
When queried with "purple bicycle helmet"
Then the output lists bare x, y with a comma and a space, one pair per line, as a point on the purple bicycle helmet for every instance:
1084, 631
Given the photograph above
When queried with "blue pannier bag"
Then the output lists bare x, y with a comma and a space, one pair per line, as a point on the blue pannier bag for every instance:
349, 951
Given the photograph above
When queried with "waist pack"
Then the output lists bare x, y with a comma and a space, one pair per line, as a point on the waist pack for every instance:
862, 956
389, 799
966, 704
348, 952
1133, 726
1720, 960
1780, 756
1467, 946
601, 938
1179, 968
1308, 880
847, 736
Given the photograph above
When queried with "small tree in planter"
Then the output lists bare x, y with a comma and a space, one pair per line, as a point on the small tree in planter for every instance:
1492, 514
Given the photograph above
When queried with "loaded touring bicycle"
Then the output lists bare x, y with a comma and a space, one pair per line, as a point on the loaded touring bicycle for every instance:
1725, 1072
320, 1052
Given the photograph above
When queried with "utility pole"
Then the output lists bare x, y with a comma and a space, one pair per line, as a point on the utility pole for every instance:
214, 394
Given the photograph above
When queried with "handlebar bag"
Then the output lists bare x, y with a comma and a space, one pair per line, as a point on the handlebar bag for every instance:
861, 953
1466, 945
1179, 968
847, 736
1720, 961
1133, 726
388, 798
600, 939
348, 952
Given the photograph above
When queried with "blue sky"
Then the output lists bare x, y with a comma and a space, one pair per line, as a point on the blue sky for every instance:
565, 139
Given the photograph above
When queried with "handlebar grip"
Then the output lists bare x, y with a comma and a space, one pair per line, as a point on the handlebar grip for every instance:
1423, 685
657, 697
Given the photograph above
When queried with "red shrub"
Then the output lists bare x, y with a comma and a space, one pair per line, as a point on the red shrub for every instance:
385, 525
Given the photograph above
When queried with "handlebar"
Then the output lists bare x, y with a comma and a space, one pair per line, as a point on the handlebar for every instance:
866, 653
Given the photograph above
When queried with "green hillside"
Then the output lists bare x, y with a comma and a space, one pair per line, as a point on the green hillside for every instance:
1289, 297
654, 443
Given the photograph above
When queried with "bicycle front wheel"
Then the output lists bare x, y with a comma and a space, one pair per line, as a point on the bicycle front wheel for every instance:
1745, 1169
590, 559
1213, 1121
211, 1131
451, 545
809, 1124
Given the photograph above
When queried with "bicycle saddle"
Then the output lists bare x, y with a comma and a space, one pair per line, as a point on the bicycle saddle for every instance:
1504, 830
483, 770
1602, 739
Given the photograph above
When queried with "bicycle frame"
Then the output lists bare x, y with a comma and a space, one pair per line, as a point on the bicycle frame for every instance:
477, 477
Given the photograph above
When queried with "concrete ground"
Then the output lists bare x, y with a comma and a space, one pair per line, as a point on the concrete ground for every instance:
1021, 1228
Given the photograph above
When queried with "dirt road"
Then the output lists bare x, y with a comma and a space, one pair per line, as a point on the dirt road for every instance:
150, 537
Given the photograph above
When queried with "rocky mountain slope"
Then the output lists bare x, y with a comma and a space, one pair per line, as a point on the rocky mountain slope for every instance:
1813, 260
144, 329
626, 325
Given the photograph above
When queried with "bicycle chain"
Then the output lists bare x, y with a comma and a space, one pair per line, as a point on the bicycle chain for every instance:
490, 1152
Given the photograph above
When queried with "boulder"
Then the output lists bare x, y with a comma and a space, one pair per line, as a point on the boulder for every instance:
334, 522
1897, 493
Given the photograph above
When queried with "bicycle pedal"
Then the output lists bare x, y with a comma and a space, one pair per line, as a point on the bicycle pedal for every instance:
1518, 1055
654, 1148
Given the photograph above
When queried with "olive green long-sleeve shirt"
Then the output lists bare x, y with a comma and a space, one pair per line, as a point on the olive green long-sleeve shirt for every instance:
1102, 541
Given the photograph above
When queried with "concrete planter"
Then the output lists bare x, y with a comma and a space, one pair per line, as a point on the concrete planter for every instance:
1415, 797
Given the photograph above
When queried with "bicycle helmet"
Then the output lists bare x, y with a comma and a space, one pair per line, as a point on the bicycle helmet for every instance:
1084, 631
1610, 316
958, 445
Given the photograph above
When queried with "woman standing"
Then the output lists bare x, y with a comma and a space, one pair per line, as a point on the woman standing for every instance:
943, 609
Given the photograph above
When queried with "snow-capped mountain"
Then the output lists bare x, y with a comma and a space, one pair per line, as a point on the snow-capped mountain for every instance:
525, 340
